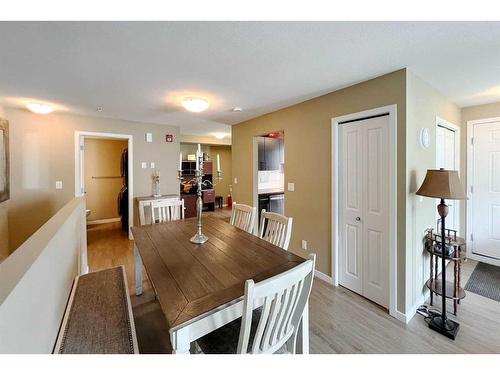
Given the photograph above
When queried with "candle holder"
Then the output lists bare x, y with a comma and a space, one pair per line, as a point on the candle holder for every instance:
199, 237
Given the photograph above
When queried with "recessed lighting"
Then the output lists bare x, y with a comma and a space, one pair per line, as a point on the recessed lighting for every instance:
237, 109
193, 104
40, 108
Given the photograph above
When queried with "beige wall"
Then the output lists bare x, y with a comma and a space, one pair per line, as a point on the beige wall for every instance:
424, 104
42, 151
308, 133
222, 188
103, 159
4, 226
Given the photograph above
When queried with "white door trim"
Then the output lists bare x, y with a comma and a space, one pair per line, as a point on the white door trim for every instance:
456, 129
335, 183
79, 170
470, 201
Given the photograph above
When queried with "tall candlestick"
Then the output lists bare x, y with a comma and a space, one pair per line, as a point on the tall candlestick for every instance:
197, 160
180, 161
218, 163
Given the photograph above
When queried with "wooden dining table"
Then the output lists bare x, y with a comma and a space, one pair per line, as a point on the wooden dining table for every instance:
200, 288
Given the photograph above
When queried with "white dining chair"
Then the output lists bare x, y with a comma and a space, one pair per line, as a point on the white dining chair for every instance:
273, 327
275, 228
243, 217
167, 210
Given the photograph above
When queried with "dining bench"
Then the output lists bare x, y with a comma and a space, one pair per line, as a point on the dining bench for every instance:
98, 318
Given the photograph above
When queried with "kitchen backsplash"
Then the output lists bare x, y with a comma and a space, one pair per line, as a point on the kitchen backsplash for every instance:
271, 180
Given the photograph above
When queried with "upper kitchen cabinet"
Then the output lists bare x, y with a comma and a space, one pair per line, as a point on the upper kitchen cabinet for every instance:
271, 153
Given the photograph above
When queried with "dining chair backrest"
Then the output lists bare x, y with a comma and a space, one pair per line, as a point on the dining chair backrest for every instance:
284, 298
243, 217
167, 210
275, 228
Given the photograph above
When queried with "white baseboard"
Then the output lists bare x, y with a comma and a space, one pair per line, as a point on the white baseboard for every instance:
104, 221
320, 275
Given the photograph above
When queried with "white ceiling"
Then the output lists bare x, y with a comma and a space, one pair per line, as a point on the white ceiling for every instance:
140, 70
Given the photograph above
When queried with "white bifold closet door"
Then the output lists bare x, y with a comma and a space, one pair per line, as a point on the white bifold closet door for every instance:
364, 208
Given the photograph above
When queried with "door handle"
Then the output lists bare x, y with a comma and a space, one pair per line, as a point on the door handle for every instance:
358, 219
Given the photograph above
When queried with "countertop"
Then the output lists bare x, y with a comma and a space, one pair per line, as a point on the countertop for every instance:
271, 191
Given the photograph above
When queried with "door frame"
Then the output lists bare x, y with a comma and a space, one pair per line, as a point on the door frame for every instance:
79, 167
391, 110
470, 201
449, 125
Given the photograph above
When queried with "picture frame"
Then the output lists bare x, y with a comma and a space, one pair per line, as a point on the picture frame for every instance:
4, 161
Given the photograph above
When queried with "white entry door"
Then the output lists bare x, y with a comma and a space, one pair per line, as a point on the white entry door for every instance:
446, 157
486, 190
364, 208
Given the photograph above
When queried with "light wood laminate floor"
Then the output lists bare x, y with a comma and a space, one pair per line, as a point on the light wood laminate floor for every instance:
340, 320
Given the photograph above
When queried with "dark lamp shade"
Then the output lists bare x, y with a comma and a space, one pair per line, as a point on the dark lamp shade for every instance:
442, 183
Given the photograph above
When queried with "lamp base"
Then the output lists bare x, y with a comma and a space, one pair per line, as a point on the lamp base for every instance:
199, 238
448, 328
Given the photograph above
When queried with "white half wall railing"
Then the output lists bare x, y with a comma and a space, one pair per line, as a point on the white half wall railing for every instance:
36, 280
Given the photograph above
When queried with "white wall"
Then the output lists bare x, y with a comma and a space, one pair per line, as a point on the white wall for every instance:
35, 282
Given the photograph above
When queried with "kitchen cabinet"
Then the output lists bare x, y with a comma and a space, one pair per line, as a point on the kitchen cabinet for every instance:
271, 153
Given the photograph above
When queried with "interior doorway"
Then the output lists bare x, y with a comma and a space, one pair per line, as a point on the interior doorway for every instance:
269, 172
448, 157
107, 179
483, 187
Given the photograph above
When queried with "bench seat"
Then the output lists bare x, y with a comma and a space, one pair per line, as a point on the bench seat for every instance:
98, 318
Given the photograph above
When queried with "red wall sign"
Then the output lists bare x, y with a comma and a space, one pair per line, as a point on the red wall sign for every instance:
169, 138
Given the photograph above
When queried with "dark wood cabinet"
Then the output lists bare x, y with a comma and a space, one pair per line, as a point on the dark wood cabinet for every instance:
189, 205
271, 153
208, 196
261, 153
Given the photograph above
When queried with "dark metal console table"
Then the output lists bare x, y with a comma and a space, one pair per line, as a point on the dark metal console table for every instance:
457, 254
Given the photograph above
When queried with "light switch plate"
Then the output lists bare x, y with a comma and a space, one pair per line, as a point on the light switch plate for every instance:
59, 185
236, 180
291, 186
304, 245
149, 137
152, 164
144, 165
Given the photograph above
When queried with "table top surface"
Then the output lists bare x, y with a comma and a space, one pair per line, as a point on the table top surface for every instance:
191, 279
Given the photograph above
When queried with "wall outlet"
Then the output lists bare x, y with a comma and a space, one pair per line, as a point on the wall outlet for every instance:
144, 165
59, 185
291, 186
304, 245
152, 164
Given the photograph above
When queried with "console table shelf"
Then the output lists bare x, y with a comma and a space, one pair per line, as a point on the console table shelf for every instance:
453, 289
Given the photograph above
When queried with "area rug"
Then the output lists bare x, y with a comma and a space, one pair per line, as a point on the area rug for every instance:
485, 281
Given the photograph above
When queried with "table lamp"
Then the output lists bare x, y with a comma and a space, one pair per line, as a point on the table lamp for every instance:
443, 184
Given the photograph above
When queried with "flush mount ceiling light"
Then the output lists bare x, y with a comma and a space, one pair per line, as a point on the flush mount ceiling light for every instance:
237, 109
220, 135
40, 108
193, 104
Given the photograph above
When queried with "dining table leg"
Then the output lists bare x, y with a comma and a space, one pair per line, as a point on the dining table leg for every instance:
138, 272
180, 341
302, 344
